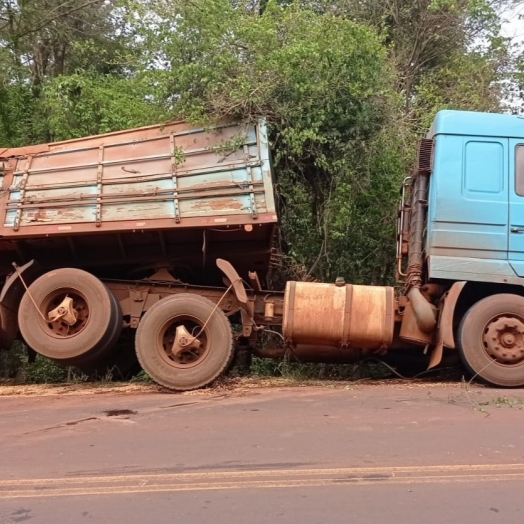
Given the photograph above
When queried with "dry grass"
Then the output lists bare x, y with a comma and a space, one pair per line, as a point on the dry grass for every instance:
227, 384
92, 388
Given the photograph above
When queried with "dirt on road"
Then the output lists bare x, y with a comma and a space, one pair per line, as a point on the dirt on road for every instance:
227, 384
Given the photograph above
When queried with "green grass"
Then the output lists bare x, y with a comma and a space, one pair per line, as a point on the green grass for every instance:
301, 371
509, 402
15, 366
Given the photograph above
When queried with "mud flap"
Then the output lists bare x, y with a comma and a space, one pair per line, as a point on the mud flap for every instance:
436, 355
445, 337
246, 307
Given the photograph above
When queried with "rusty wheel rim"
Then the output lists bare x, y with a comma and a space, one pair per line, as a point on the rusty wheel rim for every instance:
59, 328
503, 339
191, 357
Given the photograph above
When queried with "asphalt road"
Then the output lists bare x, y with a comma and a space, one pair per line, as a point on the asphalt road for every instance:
369, 454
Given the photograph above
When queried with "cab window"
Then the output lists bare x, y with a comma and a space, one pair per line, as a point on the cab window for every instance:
519, 169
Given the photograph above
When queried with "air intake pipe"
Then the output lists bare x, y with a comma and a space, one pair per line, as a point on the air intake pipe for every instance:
423, 310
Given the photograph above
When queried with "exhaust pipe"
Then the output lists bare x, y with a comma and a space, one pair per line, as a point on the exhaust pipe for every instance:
425, 313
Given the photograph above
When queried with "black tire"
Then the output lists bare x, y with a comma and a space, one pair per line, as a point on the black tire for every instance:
92, 336
203, 365
491, 340
120, 364
104, 351
242, 360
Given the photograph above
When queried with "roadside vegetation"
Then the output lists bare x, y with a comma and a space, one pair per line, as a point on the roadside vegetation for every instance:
18, 367
346, 87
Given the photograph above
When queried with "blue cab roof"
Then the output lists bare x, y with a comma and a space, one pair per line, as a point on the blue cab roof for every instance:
470, 123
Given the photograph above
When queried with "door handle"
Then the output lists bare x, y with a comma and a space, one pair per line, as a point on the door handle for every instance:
517, 229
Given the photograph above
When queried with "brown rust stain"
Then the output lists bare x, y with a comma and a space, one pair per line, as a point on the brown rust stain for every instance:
223, 184
39, 216
218, 205
70, 215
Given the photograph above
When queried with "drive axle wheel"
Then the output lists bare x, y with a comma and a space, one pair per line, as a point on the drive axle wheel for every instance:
119, 364
69, 316
491, 340
184, 342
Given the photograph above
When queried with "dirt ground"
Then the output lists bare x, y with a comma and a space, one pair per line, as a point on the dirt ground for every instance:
262, 450
237, 384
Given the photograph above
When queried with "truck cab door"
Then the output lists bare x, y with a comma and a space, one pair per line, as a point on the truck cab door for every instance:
516, 206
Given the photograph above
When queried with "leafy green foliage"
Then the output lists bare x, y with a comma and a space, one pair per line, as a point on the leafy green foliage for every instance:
323, 84
66, 71
346, 86
16, 365
81, 105
299, 372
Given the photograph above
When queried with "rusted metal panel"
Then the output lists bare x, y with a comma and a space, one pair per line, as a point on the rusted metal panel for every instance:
410, 330
161, 176
150, 292
46, 227
425, 156
339, 316
12, 152
173, 196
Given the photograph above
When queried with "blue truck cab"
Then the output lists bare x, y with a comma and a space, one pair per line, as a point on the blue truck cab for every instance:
475, 225
461, 244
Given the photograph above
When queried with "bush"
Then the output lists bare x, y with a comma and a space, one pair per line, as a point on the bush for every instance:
15, 365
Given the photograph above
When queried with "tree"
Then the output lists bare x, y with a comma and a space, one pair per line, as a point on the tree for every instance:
55, 37
56, 54
325, 74
436, 45
323, 84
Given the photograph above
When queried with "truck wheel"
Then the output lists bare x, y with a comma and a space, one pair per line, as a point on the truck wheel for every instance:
104, 351
87, 321
491, 340
119, 364
183, 342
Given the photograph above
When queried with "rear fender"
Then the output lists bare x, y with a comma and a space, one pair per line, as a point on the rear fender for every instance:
10, 296
14, 289
445, 335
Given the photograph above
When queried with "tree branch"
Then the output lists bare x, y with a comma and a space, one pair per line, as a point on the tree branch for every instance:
53, 18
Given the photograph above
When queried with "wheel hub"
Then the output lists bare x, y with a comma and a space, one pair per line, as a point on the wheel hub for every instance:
67, 314
64, 312
503, 339
183, 343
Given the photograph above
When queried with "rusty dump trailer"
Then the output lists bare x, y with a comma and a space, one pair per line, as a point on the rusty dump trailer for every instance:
125, 208
156, 243
123, 203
